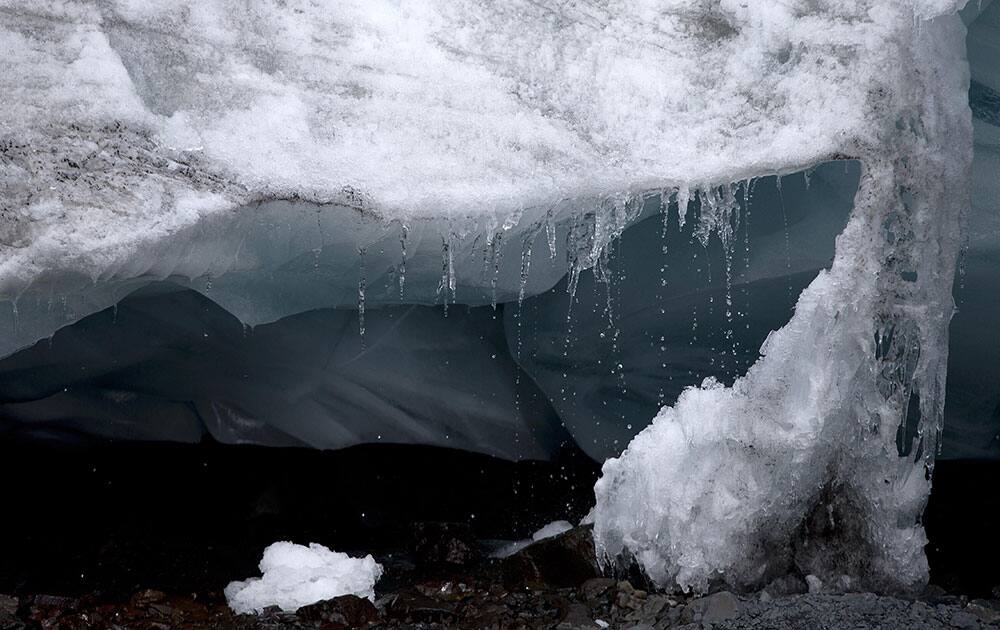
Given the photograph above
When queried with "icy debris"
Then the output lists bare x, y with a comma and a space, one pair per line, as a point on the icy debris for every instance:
548, 531
296, 576
552, 529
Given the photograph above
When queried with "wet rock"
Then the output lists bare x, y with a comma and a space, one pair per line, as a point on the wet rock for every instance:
444, 543
567, 560
348, 611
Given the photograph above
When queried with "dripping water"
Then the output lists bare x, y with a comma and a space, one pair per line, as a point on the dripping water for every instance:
361, 294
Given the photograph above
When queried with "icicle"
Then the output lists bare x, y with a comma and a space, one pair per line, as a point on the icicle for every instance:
445, 285
403, 233
361, 294
683, 198
497, 257
451, 269
550, 233
525, 266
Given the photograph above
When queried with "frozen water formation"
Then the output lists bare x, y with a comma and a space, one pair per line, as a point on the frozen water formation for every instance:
311, 169
295, 576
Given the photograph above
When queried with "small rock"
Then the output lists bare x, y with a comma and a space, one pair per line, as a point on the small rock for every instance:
815, 584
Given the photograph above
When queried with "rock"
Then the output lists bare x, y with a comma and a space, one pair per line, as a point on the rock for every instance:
713, 608
815, 584
146, 597
577, 618
412, 606
595, 588
348, 611
786, 585
629, 597
567, 560
56, 601
987, 611
444, 543
933, 593
8, 610
964, 620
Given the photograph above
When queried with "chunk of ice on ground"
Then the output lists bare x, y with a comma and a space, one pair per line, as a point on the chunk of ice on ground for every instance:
296, 576
551, 530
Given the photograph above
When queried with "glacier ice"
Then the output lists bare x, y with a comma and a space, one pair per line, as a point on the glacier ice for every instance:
840, 416
166, 363
294, 576
289, 158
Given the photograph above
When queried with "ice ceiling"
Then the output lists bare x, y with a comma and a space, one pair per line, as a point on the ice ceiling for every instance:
326, 174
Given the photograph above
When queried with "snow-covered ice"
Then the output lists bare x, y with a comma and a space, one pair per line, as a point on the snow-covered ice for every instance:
295, 576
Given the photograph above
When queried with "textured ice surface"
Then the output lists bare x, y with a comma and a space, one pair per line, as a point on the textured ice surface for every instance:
136, 140
296, 576
168, 364
831, 434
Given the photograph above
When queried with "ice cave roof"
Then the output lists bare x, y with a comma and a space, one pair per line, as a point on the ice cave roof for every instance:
124, 121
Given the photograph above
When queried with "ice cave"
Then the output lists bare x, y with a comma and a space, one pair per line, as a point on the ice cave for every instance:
519, 314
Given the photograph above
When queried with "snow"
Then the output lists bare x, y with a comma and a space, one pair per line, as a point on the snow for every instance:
295, 576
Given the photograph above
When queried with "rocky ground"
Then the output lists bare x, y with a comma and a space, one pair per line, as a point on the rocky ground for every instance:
446, 579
